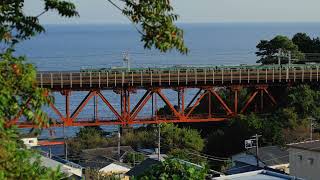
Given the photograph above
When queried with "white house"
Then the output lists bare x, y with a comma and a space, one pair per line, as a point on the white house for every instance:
30, 142
304, 158
115, 168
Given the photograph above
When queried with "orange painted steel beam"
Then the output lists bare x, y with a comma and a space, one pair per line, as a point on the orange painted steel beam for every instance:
16, 118
50, 143
224, 105
136, 121
114, 111
141, 105
140, 101
82, 105
196, 103
193, 99
253, 95
165, 99
235, 102
53, 107
271, 97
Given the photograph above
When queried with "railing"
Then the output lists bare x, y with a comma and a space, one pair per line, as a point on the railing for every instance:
176, 77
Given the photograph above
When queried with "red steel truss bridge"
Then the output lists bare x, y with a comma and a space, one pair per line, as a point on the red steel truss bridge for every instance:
208, 81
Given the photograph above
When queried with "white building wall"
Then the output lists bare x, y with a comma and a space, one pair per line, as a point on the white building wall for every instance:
304, 164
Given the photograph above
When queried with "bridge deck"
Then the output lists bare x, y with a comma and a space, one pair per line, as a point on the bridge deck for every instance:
143, 79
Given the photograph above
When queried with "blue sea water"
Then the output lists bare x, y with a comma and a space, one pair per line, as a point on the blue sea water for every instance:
71, 47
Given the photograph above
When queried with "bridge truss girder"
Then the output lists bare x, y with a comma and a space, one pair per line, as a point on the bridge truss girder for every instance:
126, 116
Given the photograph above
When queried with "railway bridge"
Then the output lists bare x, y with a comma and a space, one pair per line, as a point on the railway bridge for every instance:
207, 80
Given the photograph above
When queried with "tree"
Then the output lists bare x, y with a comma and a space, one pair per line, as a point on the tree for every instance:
268, 50
173, 137
304, 42
19, 93
88, 138
172, 169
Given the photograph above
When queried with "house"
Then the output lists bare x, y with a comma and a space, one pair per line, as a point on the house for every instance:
106, 160
273, 157
108, 153
30, 141
258, 175
142, 167
304, 159
72, 170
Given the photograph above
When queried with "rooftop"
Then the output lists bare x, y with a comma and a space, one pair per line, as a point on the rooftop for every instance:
268, 155
307, 145
101, 157
142, 167
258, 175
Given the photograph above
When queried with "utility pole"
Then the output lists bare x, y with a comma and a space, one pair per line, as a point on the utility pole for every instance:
119, 136
253, 143
159, 138
65, 144
256, 136
311, 128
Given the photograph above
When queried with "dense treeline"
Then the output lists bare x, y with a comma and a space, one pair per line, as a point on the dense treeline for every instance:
302, 47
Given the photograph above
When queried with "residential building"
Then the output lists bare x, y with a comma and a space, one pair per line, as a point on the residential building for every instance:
72, 170
258, 175
304, 159
106, 160
273, 157
142, 167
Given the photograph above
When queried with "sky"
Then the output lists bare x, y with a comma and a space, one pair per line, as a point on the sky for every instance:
192, 11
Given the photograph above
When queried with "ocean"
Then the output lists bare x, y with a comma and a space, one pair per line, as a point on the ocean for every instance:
72, 47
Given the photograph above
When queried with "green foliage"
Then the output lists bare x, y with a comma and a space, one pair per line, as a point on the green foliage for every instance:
173, 169
18, 90
267, 50
157, 21
16, 26
305, 101
306, 44
173, 137
19, 163
140, 138
19, 93
88, 138
95, 174
188, 155
134, 158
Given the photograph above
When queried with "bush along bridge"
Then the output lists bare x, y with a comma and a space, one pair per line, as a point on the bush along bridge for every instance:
208, 81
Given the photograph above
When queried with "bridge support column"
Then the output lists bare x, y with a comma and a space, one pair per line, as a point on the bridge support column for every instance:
67, 119
236, 90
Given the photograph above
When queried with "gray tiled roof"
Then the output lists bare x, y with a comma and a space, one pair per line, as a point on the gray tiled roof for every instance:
272, 155
307, 145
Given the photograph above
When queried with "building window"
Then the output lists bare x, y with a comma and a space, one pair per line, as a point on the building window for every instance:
300, 157
310, 160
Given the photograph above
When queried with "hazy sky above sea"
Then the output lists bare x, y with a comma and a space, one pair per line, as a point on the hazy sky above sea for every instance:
193, 11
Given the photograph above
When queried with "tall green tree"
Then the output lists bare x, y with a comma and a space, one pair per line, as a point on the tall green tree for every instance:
304, 42
19, 93
268, 50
